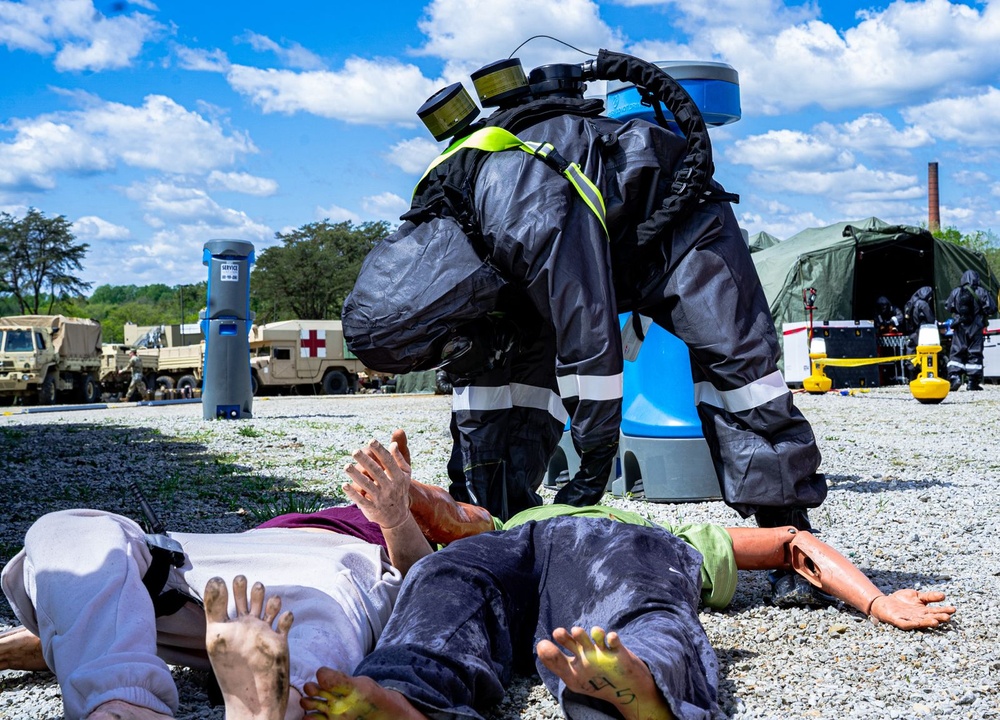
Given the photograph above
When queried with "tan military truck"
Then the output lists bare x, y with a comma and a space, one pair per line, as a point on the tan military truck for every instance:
173, 356
302, 356
45, 358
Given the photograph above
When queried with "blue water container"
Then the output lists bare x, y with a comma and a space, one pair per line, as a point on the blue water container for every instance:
662, 449
714, 87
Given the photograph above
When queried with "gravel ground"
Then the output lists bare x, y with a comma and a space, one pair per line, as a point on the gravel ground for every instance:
912, 502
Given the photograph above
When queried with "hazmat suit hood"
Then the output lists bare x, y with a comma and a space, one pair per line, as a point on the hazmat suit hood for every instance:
925, 293
970, 277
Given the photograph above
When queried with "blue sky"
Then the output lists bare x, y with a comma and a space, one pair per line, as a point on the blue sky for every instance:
154, 127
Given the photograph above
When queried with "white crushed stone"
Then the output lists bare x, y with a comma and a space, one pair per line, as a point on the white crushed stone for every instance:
913, 501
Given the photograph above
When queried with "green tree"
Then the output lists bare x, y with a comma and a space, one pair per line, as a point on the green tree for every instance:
115, 305
985, 242
310, 274
38, 259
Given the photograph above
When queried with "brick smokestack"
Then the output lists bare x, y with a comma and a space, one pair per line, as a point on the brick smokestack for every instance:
933, 205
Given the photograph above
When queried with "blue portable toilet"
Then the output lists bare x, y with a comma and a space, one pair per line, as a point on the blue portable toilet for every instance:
662, 451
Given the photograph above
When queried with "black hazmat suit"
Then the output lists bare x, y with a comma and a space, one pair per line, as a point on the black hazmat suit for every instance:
972, 307
888, 317
918, 311
531, 228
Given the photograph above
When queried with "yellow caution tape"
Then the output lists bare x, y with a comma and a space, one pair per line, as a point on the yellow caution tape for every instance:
858, 362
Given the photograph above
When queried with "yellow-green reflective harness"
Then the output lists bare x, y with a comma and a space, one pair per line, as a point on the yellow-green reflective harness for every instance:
496, 139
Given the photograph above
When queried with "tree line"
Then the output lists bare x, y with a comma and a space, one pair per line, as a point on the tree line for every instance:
307, 276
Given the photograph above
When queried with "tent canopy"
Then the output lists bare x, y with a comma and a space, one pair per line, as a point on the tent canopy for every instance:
762, 241
851, 264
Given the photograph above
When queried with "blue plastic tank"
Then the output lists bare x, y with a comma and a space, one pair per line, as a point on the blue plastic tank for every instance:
658, 390
714, 87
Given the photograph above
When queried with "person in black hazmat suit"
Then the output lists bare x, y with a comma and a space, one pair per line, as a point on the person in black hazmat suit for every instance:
565, 220
918, 311
972, 306
888, 317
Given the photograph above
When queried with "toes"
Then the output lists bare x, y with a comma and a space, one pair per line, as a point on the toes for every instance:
285, 623
613, 641
216, 600
562, 636
582, 639
331, 680
552, 657
272, 608
257, 600
599, 636
240, 594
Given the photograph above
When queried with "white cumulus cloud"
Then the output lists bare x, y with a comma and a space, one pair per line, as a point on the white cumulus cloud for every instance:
378, 91
80, 37
243, 183
384, 206
790, 60
337, 214
969, 120
158, 135
183, 218
470, 33
413, 155
202, 60
782, 150
91, 227
291, 54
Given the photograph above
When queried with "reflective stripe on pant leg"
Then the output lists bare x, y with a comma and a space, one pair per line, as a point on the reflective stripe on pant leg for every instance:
763, 449
481, 418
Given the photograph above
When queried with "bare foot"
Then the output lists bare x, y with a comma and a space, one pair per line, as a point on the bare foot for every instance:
121, 710
341, 696
602, 667
249, 657
20, 649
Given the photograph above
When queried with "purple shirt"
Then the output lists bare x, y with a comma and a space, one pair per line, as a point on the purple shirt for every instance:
343, 519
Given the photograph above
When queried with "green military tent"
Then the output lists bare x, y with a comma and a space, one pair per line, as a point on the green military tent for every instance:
851, 264
762, 241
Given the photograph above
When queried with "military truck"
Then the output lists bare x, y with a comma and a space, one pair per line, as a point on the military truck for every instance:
172, 357
302, 356
45, 358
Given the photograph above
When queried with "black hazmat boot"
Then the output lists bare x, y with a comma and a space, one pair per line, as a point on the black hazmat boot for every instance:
788, 588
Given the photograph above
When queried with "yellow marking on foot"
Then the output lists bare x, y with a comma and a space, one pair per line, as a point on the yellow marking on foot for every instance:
341, 703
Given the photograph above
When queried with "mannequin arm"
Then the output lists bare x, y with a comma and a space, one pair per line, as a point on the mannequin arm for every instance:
440, 517
790, 549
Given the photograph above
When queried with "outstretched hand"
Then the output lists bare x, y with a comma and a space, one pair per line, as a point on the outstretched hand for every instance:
380, 484
909, 609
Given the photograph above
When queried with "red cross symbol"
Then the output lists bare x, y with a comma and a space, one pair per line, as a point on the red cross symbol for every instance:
312, 343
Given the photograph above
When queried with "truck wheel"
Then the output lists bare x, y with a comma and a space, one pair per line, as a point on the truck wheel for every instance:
88, 389
335, 383
47, 391
165, 381
187, 381
254, 384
